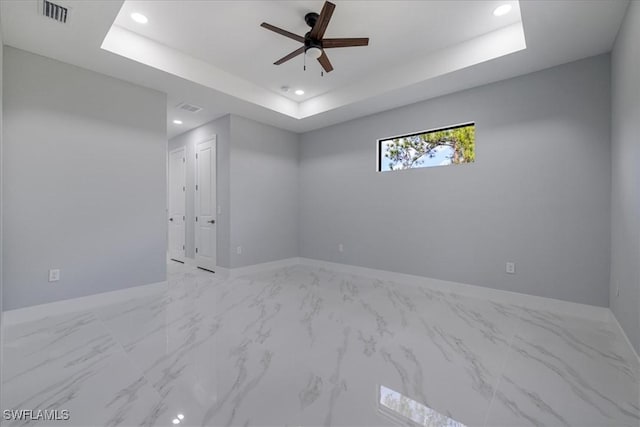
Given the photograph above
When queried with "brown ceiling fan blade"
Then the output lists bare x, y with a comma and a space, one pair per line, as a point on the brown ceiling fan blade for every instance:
289, 56
282, 32
324, 61
330, 43
323, 20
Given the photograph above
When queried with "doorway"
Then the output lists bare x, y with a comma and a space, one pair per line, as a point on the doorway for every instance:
205, 205
177, 204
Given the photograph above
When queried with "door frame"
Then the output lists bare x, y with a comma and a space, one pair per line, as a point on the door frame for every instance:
183, 254
214, 143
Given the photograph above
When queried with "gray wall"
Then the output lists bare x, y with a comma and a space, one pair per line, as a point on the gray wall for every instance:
221, 128
625, 197
257, 190
264, 192
84, 180
537, 195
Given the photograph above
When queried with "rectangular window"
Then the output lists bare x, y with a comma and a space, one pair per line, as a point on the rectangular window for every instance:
438, 147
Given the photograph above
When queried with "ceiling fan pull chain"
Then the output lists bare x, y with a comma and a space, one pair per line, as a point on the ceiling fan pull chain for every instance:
304, 61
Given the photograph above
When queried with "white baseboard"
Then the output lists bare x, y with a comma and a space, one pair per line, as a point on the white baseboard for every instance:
190, 261
265, 266
614, 319
222, 272
186, 261
497, 295
524, 300
226, 273
34, 312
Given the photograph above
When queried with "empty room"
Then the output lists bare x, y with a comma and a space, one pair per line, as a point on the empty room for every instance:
320, 213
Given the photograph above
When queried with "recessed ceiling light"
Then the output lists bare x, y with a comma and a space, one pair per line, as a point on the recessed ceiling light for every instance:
180, 416
177, 122
299, 92
502, 10
139, 18
175, 421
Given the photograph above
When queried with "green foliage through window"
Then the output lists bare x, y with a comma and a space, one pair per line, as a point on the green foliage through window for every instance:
448, 146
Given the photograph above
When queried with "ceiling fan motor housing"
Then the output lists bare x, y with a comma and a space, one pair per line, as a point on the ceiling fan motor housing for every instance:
309, 42
311, 18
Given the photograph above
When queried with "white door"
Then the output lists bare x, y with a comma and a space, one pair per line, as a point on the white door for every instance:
177, 204
206, 205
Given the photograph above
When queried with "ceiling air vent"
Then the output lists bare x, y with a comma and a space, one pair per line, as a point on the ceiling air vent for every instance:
189, 107
54, 11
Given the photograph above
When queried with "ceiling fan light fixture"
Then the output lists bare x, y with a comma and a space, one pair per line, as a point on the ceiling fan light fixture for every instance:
313, 52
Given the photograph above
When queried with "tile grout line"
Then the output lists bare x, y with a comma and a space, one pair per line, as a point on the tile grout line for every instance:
503, 369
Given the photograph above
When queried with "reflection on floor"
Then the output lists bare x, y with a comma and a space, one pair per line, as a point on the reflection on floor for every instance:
307, 346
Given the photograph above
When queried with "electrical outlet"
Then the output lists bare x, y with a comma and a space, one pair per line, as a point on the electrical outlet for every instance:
511, 268
340, 248
54, 275
239, 250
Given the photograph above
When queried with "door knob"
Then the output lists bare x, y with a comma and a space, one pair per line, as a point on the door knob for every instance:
213, 221
170, 219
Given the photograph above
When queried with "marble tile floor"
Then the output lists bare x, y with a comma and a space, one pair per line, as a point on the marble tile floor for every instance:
305, 346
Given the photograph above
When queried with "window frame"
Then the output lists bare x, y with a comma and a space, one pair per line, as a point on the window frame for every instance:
379, 142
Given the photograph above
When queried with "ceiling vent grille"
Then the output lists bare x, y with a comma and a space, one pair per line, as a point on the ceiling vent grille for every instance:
54, 11
189, 107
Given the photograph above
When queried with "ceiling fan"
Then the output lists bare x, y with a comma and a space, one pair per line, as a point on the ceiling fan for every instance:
314, 43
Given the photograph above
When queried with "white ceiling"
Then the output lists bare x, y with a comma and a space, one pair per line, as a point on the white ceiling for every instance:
220, 45
227, 34
214, 54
